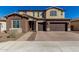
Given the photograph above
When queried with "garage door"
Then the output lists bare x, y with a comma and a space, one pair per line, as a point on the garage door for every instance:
40, 26
58, 27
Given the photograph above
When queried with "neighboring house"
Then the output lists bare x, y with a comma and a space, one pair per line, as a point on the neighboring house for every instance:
2, 25
75, 25
52, 19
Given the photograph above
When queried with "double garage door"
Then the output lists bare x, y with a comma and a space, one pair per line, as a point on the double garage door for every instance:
58, 26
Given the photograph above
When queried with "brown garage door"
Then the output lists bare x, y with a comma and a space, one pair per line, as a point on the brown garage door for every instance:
42, 26
58, 27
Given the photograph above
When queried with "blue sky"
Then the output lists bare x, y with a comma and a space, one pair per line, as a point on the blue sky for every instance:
70, 11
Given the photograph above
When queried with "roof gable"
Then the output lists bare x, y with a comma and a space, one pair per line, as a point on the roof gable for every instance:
55, 8
14, 14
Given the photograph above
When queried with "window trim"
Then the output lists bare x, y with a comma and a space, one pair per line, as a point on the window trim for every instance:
33, 13
38, 14
19, 23
53, 14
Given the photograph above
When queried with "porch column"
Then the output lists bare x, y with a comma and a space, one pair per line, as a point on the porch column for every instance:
36, 26
69, 27
48, 26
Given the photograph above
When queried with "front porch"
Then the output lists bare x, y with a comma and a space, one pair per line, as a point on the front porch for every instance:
37, 26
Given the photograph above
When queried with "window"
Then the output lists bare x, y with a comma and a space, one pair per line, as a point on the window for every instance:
53, 13
38, 14
33, 13
42, 14
16, 23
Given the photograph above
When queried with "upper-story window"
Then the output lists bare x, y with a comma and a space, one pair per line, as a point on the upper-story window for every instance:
38, 14
33, 13
53, 13
42, 14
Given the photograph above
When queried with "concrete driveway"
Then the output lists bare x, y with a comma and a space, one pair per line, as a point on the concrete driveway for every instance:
39, 46
45, 42
57, 36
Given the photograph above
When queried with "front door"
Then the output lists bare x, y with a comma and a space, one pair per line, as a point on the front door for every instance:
32, 25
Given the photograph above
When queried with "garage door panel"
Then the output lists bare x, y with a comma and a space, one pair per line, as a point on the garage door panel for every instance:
40, 27
57, 27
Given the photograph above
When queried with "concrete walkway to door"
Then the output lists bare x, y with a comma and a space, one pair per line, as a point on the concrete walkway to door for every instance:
57, 36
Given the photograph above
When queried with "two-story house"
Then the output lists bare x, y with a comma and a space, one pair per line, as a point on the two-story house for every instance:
51, 19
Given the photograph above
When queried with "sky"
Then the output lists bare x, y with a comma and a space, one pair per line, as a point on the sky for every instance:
70, 11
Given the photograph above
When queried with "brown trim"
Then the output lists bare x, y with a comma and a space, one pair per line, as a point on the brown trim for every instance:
54, 19
14, 14
57, 22
74, 20
55, 8
2, 20
57, 19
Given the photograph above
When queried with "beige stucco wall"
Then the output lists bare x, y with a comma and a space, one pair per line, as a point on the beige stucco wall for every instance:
35, 12
58, 14
3, 26
21, 12
31, 13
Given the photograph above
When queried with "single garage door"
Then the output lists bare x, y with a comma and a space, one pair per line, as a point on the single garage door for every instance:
42, 26
58, 26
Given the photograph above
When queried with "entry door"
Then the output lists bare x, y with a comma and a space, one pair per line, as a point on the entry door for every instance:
32, 25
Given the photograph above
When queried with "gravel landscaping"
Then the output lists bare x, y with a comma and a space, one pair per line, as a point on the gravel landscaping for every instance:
9, 37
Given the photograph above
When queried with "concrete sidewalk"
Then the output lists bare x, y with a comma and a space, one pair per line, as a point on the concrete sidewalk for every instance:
39, 46
25, 36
